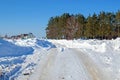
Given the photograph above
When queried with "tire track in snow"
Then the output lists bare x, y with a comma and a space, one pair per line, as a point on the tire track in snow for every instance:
94, 71
60, 65
42, 71
68, 64
67, 67
46, 70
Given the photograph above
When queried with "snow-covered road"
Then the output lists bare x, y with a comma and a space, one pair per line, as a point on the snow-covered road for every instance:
68, 64
35, 59
95, 72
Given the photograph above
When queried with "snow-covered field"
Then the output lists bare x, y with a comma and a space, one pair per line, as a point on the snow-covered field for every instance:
35, 59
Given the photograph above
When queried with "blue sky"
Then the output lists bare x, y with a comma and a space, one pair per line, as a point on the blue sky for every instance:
24, 16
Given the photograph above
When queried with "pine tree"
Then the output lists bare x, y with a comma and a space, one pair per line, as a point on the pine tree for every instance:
89, 27
81, 26
118, 23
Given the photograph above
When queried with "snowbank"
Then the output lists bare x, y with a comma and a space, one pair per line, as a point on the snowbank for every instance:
94, 45
19, 57
33, 43
8, 49
45, 44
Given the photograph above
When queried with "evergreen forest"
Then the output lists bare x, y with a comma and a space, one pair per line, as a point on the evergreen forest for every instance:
105, 25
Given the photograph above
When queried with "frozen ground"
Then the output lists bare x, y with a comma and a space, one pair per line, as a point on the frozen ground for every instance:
35, 59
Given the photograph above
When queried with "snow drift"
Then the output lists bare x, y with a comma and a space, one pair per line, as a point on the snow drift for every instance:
33, 43
8, 49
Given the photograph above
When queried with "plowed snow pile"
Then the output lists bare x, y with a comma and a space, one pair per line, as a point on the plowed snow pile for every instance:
18, 57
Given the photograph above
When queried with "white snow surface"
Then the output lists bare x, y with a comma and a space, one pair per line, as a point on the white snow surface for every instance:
37, 59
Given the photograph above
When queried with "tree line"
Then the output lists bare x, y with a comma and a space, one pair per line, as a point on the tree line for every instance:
105, 25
